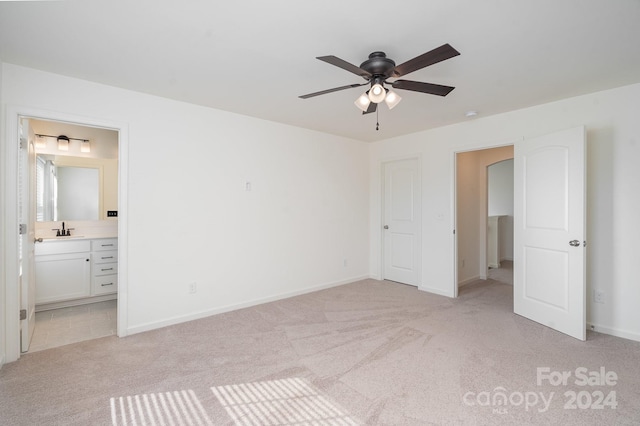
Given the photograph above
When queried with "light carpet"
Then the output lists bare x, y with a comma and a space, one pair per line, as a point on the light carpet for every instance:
370, 352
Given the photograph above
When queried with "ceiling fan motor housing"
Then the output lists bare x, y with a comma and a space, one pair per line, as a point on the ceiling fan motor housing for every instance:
378, 65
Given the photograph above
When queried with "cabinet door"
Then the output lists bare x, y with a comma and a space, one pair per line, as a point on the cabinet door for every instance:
62, 277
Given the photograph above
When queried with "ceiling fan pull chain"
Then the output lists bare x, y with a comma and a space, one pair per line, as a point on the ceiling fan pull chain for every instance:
377, 123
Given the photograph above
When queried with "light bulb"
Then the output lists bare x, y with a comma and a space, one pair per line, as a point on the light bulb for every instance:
377, 93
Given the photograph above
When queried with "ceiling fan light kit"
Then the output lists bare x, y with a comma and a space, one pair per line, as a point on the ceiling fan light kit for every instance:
378, 69
363, 102
377, 93
392, 99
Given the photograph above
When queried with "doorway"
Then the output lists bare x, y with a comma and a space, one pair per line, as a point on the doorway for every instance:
76, 184
549, 228
472, 211
11, 322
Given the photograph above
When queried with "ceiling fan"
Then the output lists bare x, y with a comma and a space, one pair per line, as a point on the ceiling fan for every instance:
378, 68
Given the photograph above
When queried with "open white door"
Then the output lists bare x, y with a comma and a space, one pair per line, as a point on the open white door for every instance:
549, 231
27, 217
402, 220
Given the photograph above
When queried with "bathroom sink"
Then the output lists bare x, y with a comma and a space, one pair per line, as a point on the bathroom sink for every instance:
70, 237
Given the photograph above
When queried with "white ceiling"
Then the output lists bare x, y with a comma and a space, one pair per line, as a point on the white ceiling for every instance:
255, 57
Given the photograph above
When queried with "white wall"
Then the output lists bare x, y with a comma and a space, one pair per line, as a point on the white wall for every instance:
613, 176
468, 219
500, 189
189, 217
3, 267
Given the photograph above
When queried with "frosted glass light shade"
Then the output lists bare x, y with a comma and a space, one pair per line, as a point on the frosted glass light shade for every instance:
85, 146
63, 143
377, 93
392, 99
41, 142
363, 102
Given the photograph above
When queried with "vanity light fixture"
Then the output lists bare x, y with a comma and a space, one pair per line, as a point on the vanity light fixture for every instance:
63, 143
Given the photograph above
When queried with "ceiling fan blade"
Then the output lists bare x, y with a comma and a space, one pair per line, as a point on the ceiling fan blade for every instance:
418, 86
335, 89
340, 63
436, 55
372, 108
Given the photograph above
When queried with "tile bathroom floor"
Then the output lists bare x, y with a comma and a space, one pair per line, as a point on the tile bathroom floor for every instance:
59, 327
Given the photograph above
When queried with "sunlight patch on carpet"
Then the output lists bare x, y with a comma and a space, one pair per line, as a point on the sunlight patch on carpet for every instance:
290, 401
168, 408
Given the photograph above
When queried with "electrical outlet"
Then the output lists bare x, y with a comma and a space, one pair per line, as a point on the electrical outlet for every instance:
193, 288
598, 296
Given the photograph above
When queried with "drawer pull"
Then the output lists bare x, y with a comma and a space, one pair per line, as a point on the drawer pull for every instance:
106, 245
106, 284
106, 257
106, 269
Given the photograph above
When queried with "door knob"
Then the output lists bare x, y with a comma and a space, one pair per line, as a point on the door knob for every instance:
574, 243
386, 227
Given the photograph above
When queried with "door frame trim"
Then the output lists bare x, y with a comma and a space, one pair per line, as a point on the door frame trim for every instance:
381, 164
9, 196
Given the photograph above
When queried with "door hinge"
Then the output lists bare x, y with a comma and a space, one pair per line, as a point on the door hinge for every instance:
22, 229
23, 143
23, 314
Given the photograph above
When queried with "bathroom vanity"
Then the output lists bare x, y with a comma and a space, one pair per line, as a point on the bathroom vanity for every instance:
73, 271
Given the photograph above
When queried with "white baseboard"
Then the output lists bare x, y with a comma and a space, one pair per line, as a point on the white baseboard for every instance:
209, 312
625, 334
469, 280
1, 361
76, 302
434, 290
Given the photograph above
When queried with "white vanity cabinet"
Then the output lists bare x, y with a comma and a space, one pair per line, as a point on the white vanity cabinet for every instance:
72, 270
63, 270
104, 266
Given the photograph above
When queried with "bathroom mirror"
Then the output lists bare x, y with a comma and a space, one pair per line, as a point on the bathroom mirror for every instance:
66, 191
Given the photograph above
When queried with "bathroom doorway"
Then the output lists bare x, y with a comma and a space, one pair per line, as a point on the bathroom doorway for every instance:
75, 202
13, 230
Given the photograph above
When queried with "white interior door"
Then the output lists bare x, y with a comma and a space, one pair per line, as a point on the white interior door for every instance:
549, 231
27, 217
401, 222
